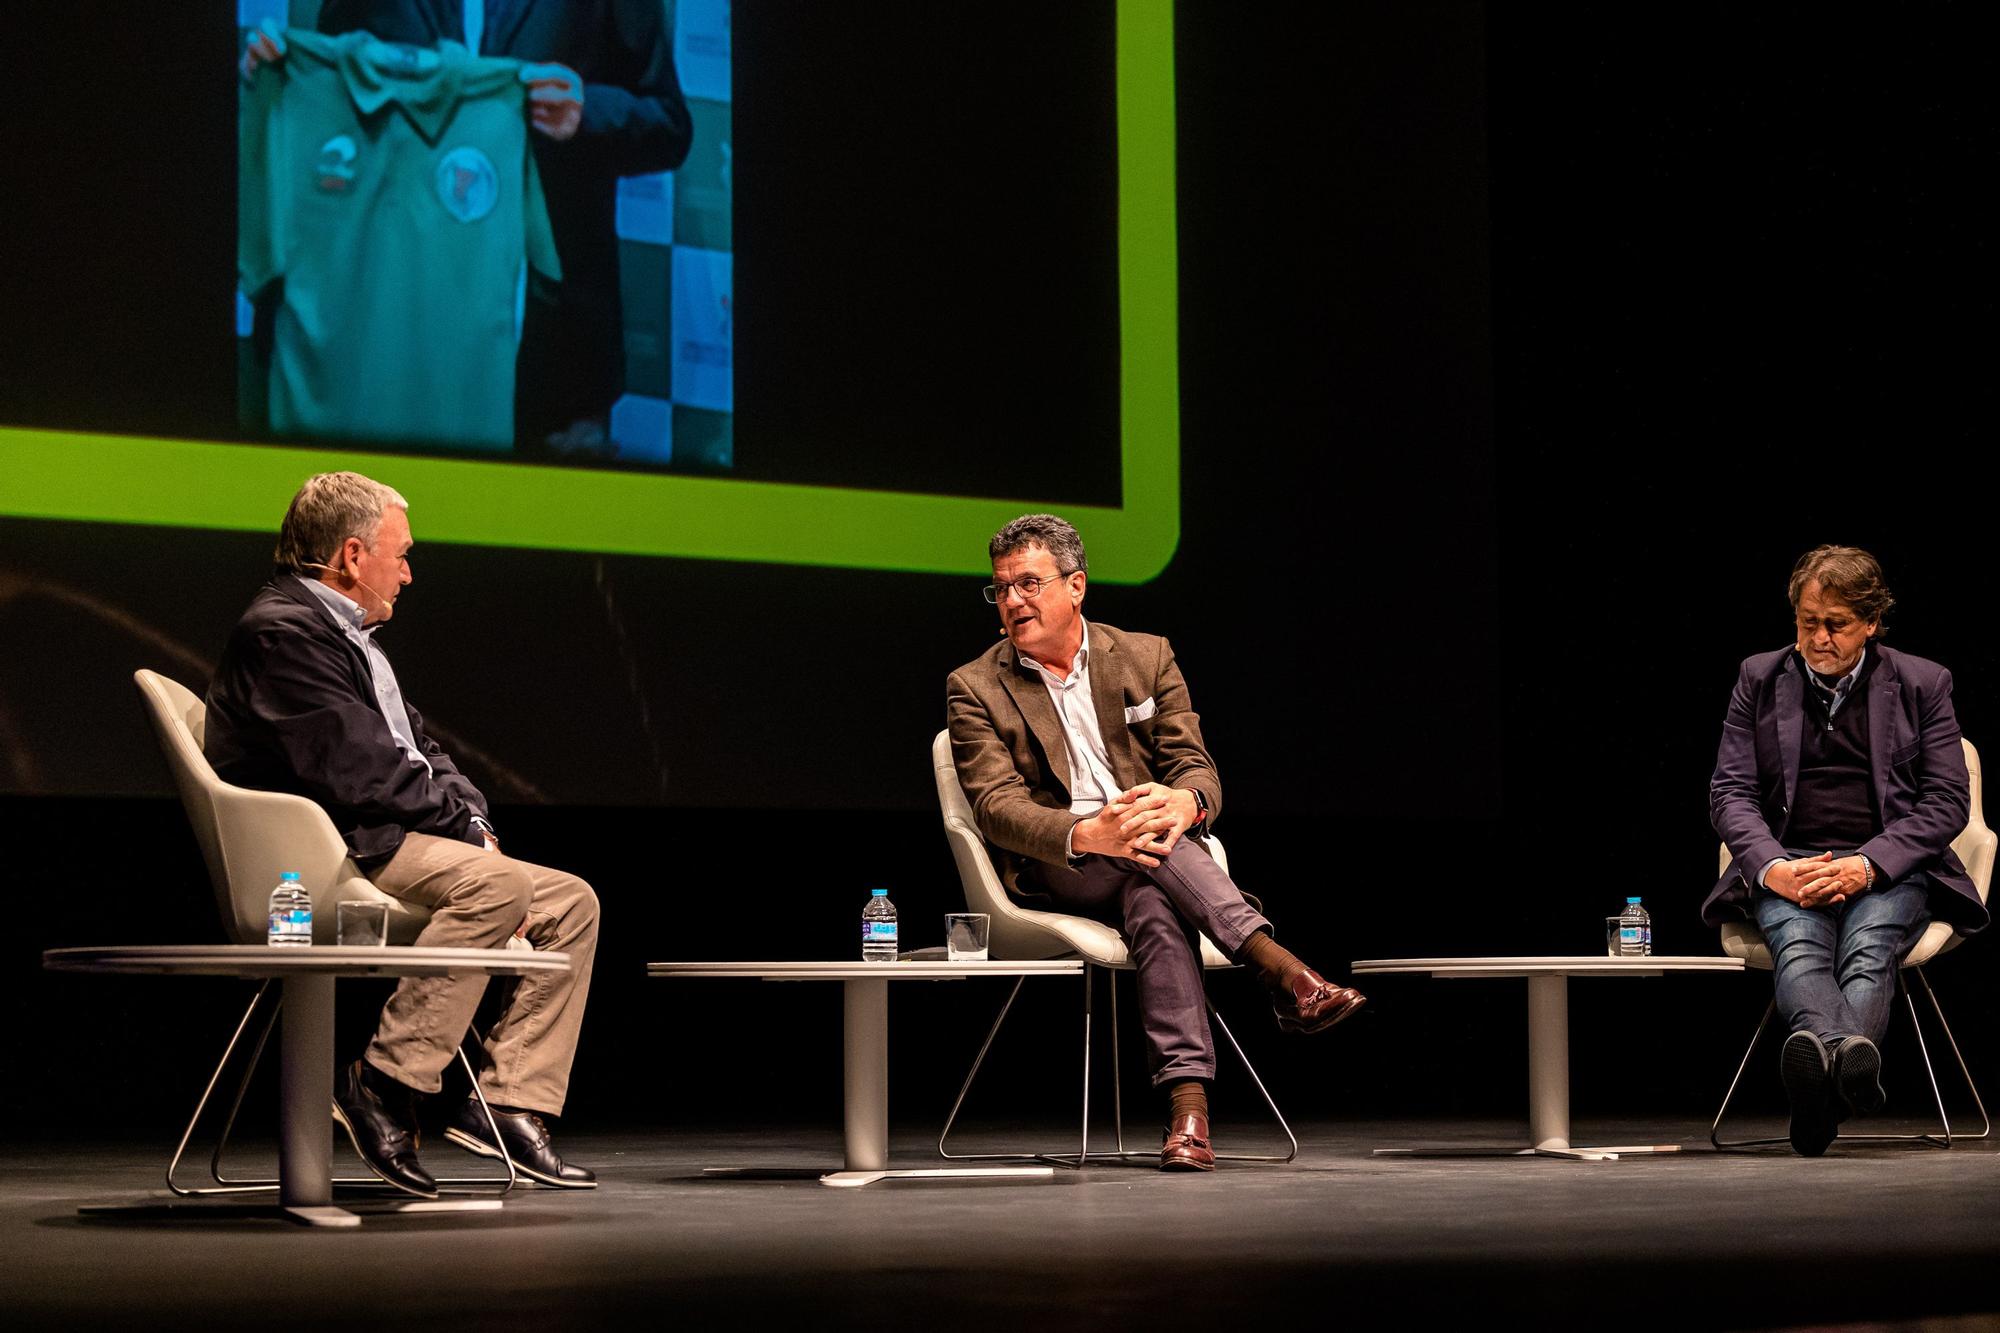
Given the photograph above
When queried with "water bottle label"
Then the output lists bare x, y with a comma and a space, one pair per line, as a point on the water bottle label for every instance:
1628, 935
292, 927
878, 932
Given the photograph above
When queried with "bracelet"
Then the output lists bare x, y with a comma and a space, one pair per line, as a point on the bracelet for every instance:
1868, 866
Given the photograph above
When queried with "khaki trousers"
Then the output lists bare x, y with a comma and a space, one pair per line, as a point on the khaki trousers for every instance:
477, 898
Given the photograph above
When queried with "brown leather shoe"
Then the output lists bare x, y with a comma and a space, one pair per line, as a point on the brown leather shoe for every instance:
1314, 1004
1186, 1146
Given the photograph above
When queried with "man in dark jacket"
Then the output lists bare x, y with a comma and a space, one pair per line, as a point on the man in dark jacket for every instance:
1839, 786
304, 701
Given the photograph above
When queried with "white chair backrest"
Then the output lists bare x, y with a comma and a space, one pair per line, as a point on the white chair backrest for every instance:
249, 837
1975, 846
1016, 932
1013, 933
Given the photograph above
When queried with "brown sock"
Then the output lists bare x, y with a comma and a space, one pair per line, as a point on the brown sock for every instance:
1279, 966
1187, 1097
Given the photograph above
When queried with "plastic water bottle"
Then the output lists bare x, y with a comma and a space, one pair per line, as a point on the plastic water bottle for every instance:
291, 912
1635, 931
878, 928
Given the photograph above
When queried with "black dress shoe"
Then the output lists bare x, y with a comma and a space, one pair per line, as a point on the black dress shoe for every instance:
1857, 1075
1802, 1065
527, 1140
375, 1111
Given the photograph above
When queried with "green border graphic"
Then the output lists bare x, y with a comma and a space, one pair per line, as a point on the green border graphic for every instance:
201, 484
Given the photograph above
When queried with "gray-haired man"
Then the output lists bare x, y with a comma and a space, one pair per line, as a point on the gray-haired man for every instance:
304, 701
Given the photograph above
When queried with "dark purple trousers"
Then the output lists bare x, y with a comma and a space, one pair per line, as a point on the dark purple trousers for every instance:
1162, 910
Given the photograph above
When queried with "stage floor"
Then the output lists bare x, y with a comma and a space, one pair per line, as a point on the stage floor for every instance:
1694, 1240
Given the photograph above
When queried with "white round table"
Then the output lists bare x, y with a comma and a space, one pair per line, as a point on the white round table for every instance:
865, 1040
307, 974
1548, 1035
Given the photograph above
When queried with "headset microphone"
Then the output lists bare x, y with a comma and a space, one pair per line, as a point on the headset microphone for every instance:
387, 605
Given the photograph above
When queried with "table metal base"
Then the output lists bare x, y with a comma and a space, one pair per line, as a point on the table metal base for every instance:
1548, 1089
864, 1071
311, 1215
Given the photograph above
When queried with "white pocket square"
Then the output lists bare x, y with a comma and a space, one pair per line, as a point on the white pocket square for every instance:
1140, 712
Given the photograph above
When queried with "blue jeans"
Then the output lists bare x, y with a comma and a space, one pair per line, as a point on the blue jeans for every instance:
1836, 966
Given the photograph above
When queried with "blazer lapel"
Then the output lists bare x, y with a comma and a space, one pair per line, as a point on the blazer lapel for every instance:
1791, 701
1031, 696
1107, 695
1884, 707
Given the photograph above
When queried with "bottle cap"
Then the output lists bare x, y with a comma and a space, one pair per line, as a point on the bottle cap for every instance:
878, 893
1631, 902
289, 874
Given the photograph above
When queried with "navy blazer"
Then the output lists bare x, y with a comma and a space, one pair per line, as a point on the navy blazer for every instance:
1916, 768
292, 708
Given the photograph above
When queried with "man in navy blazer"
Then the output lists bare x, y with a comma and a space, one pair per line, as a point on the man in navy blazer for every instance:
1838, 788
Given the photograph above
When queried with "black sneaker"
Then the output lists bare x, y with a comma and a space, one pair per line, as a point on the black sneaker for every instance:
1802, 1066
1857, 1075
527, 1144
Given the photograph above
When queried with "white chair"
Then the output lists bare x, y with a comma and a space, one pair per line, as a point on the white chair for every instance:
1022, 933
1741, 939
248, 838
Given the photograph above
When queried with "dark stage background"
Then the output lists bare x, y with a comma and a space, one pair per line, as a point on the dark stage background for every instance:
1521, 355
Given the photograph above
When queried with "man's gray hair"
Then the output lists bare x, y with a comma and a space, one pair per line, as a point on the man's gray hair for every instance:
328, 509
1052, 534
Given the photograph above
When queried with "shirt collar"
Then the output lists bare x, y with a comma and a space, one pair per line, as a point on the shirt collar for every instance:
1845, 685
1077, 667
346, 612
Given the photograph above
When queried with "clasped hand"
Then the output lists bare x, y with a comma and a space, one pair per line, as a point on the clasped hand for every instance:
1818, 881
1142, 824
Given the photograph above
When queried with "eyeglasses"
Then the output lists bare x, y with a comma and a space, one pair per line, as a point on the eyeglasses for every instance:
1028, 585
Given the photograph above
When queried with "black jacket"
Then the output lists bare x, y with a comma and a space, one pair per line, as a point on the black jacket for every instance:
292, 708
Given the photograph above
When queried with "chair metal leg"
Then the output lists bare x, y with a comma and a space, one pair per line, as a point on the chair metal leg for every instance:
1985, 1124
1059, 1159
1146, 1155
187, 1135
1715, 1129
1939, 1139
229, 1185
1120, 1152
1263, 1092
1117, 1070
1946, 1138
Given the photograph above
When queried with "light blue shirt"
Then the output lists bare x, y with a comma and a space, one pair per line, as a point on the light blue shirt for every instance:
388, 694
475, 24
1091, 785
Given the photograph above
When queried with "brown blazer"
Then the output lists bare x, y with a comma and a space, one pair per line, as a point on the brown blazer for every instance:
1008, 745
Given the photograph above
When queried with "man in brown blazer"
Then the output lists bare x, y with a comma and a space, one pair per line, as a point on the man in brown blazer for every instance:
1084, 764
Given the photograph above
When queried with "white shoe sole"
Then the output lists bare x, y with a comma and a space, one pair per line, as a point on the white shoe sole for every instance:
484, 1149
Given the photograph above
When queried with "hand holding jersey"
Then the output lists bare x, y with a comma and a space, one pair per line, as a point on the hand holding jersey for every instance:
555, 100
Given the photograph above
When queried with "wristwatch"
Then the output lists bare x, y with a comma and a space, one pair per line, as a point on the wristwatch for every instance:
1200, 826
